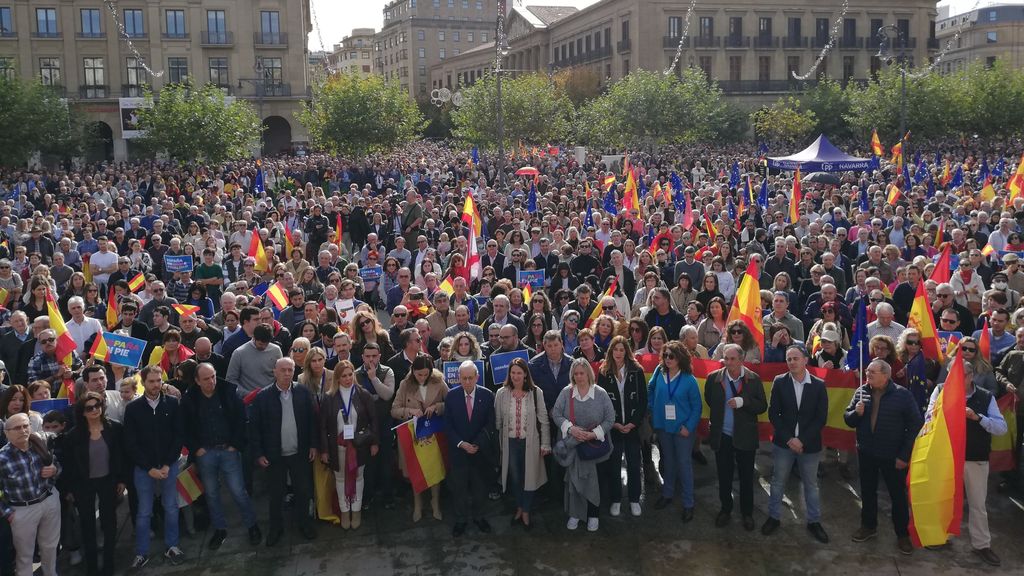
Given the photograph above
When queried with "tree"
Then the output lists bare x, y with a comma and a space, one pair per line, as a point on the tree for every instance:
579, 84
196, 124
830, 104
783, 122
732, 123
534, 110
355, 116
33, 118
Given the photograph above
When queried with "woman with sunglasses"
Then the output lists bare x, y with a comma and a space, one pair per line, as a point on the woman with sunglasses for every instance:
984, 376
830, 315
365, 328
94, 471
918, 373
738, 333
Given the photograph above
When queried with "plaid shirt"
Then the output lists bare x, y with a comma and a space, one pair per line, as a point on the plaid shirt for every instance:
43, 367
21, 477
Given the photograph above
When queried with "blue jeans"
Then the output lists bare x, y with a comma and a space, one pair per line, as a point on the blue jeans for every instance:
517, 473
782, 462
218, 462
677, 465
146, 489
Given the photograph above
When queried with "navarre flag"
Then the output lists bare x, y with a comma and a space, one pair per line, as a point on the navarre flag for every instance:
189, 486
597, 309
746, 304
935, 487
795, 199
941, 272
876, 144
257, 252
185, 309
112, 318
424, 458
137, 282
65, 343
278, 296
922, 319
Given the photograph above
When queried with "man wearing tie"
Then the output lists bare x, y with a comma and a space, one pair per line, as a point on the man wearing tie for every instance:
468, 417
798, 412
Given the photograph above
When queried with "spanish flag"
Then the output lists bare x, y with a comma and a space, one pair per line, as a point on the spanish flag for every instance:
894, 194
922, 319
597, 309
712, 231
527, 294
337, 230
278, 296
1016, 183
289, 244
630, 200
100, 350
111, 308
876, 145
795, 199
86, 269
1003, 456
137, 282
189, 486
65, 343
940, 233
471, 214
424, 458
988, 193
3, 296
608, 181
185, 309
985, 340
935, 486
746, 304
987, 250
446, 285
897, 155
941, 273
257, 252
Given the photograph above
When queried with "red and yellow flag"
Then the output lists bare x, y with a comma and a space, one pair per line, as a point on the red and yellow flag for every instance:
185, 309
941, 272
257, 252
527, 294
985, 340
608, 181
597, 309
795, 199
278, 296
289, 244
935, 486
940, 233
922, 319
471, 214
876, 144
137, 282
65, 343
189, 486
1003, 456
988, 193
1016, 183
712, 231
424, 458
112, 318
446, 285
630, 199
746, 304
337, 230
894, 194
987, 250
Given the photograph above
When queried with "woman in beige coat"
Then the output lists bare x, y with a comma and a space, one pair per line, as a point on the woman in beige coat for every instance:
421, 394
525, 436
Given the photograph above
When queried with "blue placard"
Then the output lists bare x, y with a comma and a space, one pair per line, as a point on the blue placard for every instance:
535, 278
949, 341
451, 373
371, 273
178, 263
501, 361
44, 406
123, 350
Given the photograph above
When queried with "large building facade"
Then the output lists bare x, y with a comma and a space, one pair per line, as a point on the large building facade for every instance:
418, 34
751, 47
985, 35
252, 49
354, 55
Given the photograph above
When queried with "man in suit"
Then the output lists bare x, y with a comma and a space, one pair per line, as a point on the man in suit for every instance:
410, 343
550, 369
492, 257
469, 419
798, 412
10, 343
735, 396
283, 440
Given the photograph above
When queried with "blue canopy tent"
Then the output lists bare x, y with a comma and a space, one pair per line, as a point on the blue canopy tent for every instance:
820, 156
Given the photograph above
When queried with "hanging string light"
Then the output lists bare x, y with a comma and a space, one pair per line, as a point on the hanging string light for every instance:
949, 43
682, 39
832, 36
112, 7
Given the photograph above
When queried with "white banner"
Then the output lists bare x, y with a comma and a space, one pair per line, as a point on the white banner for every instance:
130, 115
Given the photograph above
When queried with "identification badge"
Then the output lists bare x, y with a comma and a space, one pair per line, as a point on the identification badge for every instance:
670, 412
349, 432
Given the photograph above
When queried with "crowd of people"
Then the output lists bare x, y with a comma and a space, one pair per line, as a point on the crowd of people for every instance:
326, 296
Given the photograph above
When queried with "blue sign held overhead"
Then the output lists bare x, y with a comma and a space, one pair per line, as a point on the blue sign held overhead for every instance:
501, 361
451, 373
178, 263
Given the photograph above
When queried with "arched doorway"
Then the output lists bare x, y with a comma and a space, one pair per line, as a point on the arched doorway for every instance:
277, 135
99, 143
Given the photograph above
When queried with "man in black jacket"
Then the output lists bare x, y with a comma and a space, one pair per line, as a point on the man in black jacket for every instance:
153, 437
798, 412
887, 420
283, 440
214, 420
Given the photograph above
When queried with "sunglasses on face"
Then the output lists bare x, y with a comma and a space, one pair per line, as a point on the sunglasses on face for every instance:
734, 332
913, 343
93, 407
300, 350
47, 340
948, 320
966, 349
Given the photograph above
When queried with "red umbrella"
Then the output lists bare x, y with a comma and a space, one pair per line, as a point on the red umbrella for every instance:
527, 171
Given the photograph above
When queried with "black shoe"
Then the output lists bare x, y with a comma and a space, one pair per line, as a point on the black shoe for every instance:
988, 556
217, 539
687, 515
255, 535
770, 526
700, 458
483, 525
748, 523
307, 531
818, 532
459, 529
274, 537
722, 519
662, 502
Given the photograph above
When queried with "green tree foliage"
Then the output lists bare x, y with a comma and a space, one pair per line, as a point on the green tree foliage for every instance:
535, 110
783, 123
732, 123
648, 109
355, 116
33, 118
580, 84
830, 104
194, 123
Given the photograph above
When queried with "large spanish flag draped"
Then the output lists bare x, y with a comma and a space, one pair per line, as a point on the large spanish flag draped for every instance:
424, 459
922, 319
935, 485
795, 199
65, 343
746, 304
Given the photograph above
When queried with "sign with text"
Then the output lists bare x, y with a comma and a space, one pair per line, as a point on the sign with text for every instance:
178, 263
451, 373
500, 362
120, 349
371, 273
535, 278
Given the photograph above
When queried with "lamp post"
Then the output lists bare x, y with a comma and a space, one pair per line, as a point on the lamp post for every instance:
501, 51
887, 34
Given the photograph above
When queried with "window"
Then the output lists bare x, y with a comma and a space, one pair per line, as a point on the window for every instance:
270, 27
991, 15
7, 67
764, 27
848, 65
793, 31
675, 26
441, 54
735, 27
6, 22
216, 27
792, 66
625, 67
421, 52
479, 5
49, 71
135, 75
849, 31
412, 3
133, 23
421, 70
707, 27
821, 32
705, 65
991, 37
876, 23
455, 36
465, 4
440, 35
456, 51
469, 37
219, 72
177, 69
586, 44
421, 35
483, 37
91, 23
175, 23
437, 3
625, 30
46, 23
95, 81
764, 68
273, 76
903, 25
735, 68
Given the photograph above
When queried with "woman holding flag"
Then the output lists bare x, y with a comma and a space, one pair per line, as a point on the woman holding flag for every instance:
421, 394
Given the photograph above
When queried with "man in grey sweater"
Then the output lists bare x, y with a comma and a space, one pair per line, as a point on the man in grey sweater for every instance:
252, 365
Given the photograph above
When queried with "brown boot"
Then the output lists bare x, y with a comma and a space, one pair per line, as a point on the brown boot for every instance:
417, 507
346, 521
357, 519
435, 501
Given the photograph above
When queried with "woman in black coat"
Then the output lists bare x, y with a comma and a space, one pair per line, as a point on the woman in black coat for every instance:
94, 469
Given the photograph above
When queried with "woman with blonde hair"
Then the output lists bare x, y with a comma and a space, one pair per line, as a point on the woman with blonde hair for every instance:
524, 436
421, 395
315, 376
365, 328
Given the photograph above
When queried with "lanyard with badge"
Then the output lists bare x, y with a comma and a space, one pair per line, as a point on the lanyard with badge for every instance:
348, 430
670, 407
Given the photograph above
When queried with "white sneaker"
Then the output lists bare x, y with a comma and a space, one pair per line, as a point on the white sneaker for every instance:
634, 508
592, 524
616, 509
573, 523
76, 557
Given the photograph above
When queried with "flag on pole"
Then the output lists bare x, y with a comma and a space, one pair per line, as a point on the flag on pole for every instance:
941, 273
65, 343
589, 220
988, 193
608, 181
762, 196
189, 486
859, 353
185, 310
289, 244
1016, 183
424, 458
985, 340
137, 282
597, 309
734, 175
958, 178
865, 202
922, 319
257, 252
940, 233
687, 210
338, 230
446, 285
111, 308
746, 304
609, 203
277, 295
630, 200
876, 145
474, 224
258, 186
531, 203
471, 215
894, 194
527, 294
712, 231
795, 199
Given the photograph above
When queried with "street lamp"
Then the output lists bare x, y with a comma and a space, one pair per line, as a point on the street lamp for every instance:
887, 34
501, 48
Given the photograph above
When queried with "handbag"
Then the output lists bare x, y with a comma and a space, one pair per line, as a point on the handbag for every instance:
591, 449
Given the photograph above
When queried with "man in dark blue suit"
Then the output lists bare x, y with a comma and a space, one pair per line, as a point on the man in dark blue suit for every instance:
798, 411
469, 421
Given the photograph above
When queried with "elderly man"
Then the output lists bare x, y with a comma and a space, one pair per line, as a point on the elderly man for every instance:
45, 365
463, 324
885, 325
468, 415
160, 298
81, 327
441, 318
501, 316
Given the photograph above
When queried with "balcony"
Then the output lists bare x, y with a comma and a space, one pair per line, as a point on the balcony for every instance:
672, 42
57, 90
89, 92
766, 42
217, 38
270, 39
706, 41
851, 43
175, 36
794, 41
5, 33
623, 45
137, 36
259, 88
819, 41
90, 35
736, 42
46, 35
133, 90
933, 43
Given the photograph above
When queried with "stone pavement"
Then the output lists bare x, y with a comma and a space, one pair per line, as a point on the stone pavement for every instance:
656, 543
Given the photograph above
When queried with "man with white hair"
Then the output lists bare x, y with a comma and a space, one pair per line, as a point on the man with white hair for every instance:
81, 327
501, 316
885, 325
468, 414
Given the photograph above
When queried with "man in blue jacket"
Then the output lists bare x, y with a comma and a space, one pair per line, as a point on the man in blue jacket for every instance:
887, 420
153, 435
469, 419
